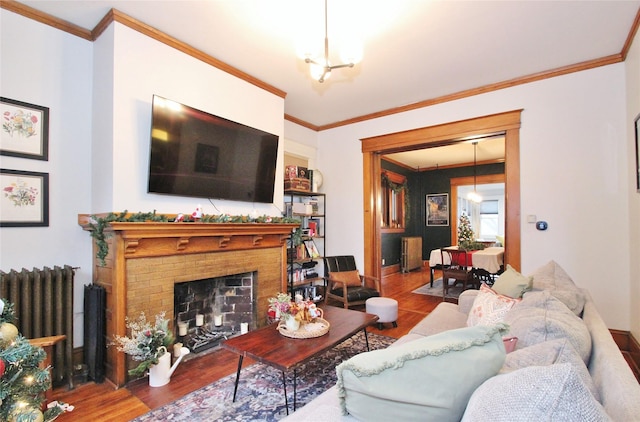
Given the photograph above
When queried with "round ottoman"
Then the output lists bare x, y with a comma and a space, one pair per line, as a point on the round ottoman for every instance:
386, 309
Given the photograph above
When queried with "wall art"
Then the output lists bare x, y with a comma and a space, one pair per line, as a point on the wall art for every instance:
438, 209
25, 130
25, 198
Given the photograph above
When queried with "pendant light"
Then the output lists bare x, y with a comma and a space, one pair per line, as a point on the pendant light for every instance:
320, 68
474, 196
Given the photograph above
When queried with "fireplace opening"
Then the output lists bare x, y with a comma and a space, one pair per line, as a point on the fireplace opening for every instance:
208, 311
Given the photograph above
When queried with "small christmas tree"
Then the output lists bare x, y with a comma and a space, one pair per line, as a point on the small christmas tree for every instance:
466, 236
22, 381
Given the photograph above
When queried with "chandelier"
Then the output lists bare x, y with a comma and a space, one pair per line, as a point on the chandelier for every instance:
320, 68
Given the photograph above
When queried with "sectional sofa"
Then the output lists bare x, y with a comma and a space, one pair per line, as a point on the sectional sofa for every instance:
453, 365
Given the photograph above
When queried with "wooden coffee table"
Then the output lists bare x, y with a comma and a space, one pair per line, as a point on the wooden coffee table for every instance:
268, 346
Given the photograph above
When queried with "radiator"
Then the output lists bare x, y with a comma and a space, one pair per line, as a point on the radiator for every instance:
43, 304
411, 253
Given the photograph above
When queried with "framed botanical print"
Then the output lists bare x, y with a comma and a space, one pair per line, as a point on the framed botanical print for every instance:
25, 198
25, 130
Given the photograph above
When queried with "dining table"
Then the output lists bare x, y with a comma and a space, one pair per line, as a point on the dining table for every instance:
489, 259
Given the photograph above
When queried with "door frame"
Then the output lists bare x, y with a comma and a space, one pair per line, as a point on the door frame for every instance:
507, 123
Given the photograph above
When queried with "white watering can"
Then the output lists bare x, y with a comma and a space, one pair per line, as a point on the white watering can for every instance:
160, 374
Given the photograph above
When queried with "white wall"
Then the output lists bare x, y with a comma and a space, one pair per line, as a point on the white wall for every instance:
47, 67
574, 174
632, 68
99, 96
143, 67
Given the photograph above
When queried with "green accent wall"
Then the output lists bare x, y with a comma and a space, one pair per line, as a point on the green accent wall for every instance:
419, 185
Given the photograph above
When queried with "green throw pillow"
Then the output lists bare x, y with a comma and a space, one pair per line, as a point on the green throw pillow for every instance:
513, 284
431, 378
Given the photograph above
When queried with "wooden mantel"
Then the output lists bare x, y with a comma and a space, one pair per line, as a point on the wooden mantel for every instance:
145, 259
144, 239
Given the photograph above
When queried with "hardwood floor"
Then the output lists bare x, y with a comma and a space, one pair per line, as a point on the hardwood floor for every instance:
102, 402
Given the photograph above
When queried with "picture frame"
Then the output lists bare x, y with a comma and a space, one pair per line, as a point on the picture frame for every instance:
25, 198
25, 130
636, 124
437, 209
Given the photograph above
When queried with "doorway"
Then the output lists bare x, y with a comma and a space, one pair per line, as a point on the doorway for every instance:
507, 124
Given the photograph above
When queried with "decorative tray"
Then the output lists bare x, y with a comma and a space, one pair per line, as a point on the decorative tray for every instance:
317, 328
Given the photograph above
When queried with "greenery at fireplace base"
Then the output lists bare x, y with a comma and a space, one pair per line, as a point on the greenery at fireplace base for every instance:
98, 224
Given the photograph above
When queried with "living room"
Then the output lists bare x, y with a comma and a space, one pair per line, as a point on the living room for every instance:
576, 141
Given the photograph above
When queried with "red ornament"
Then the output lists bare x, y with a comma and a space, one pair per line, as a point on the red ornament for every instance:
2, 368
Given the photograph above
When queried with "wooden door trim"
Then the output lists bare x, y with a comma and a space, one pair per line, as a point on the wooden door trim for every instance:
507, 123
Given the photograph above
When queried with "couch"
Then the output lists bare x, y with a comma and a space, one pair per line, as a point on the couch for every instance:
565, 365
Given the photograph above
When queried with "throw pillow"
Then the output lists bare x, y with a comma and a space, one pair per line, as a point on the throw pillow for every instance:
549, 353
554, 278
536, 393
489, 307
348, 278
511, 283
540, 317
431, 378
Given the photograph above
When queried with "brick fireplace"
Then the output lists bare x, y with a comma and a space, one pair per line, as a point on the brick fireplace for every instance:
145, 260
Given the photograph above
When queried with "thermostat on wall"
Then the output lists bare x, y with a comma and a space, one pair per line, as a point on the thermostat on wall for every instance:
541, 225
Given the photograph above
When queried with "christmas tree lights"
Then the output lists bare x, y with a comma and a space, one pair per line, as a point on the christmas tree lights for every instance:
22, 381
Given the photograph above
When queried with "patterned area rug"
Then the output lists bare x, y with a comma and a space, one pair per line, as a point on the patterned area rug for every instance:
260, 395
436, 290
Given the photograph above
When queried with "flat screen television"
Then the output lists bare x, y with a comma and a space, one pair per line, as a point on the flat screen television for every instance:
197, 154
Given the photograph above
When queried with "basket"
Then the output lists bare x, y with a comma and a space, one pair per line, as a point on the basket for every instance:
314, 329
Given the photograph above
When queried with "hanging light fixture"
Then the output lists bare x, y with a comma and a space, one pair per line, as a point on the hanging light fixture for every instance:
474, 196
320, 68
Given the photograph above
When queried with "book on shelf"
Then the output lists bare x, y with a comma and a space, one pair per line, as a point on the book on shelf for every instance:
314, 227
312, 248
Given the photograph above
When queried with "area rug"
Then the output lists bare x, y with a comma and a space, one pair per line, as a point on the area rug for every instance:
260, 395
436, 290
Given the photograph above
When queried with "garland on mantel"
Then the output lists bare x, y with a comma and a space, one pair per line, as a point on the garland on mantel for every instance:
98, 224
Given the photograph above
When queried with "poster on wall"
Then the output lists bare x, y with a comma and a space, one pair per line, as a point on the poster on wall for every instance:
438, 209
25, 198
25, 130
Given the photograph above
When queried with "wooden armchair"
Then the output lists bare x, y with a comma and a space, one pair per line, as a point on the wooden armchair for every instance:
345, 284
459, 269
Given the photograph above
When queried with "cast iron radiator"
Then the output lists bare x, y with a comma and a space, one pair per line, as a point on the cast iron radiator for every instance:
94, 331
43, 304
411, 253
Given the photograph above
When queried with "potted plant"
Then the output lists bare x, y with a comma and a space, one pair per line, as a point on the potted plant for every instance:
147, 343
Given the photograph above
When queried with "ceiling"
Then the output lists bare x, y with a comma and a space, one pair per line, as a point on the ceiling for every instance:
414, 51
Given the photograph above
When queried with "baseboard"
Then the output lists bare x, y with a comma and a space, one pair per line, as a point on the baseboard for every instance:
390, 269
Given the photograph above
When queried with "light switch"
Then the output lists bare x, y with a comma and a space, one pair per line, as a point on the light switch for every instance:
531, 218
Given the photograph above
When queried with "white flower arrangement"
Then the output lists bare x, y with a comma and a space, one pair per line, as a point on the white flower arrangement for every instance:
146, 341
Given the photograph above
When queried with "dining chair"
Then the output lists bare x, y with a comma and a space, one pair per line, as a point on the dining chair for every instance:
459, 269
345, 284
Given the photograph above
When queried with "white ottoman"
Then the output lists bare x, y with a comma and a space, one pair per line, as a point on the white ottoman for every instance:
386, 309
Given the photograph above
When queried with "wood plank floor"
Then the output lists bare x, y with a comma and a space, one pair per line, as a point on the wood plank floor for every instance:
102, 402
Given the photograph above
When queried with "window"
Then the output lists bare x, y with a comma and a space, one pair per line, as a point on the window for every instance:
393, 201
488, 219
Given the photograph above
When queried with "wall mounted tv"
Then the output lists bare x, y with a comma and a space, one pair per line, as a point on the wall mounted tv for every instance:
197, 154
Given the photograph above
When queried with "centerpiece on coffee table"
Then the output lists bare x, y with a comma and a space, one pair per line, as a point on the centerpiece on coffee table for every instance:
297, 319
